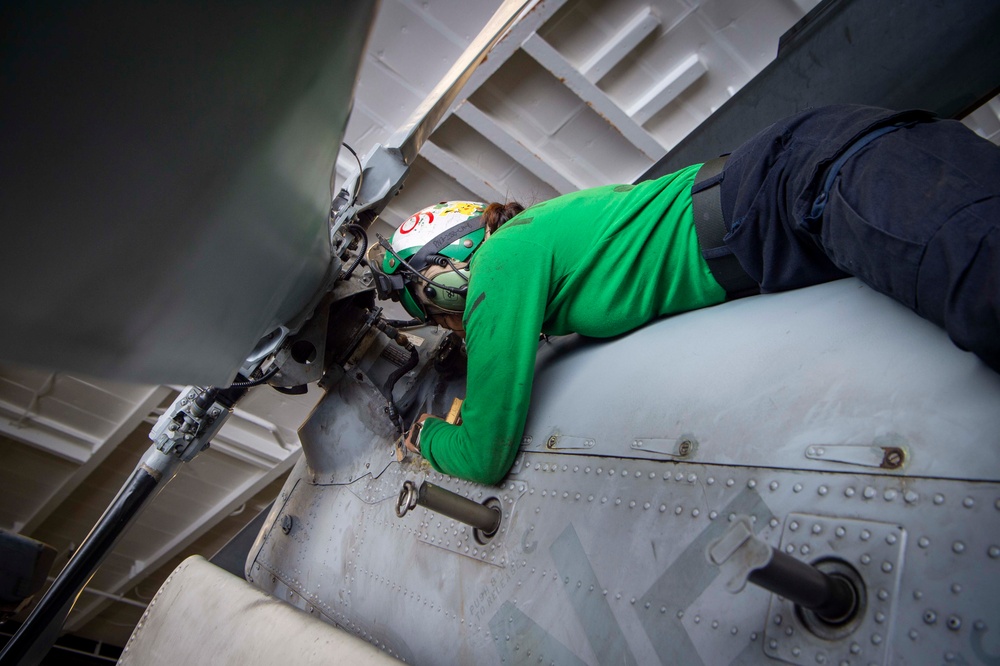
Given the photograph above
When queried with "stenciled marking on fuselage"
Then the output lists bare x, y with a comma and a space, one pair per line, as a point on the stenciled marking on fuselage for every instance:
591, 606
491, 592
680, 585
686, 579
520, 640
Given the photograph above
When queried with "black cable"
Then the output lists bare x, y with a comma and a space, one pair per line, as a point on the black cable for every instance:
404, 323
455, 268
361, 174
385, 244
256, 382
362, 237
394, 376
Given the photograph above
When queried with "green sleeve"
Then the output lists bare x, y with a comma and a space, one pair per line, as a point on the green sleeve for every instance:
506, 303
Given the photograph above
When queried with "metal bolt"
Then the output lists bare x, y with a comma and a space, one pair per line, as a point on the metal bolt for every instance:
893, 458
930, 617
286, 523
954, 623
684, 447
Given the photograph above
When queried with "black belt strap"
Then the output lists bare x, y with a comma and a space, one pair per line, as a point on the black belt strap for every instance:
710, 226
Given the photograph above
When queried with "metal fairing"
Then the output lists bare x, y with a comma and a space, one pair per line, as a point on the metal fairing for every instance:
601, 553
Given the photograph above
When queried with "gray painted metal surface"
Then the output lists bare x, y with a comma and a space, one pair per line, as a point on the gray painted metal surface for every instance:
167, 179
601, 553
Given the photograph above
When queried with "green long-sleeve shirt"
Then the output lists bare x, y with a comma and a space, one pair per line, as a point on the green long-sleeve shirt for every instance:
599, 262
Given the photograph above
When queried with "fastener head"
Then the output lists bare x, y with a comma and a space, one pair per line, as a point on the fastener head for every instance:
892, 458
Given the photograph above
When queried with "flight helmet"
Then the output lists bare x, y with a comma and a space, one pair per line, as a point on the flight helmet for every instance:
424, 265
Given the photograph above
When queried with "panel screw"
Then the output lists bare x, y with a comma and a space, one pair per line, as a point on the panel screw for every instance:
893, 457
552, 442
286, 523
684, 447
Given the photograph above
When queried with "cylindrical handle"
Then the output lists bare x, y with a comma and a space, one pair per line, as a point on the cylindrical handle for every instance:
462, 509
831, 597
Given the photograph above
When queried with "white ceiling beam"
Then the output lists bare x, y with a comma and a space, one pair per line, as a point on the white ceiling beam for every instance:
676, 81
145, 404
503, 139
46, 434
511, 42
202, 523
590, 94
253, 439
460, 171
620, 45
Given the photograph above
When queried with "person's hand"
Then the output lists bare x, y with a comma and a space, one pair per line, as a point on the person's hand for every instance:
413, 435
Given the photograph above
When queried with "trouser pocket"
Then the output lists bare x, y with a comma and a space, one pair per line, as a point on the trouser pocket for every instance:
862, 247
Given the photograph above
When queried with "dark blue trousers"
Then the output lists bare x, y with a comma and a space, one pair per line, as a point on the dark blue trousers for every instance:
914, 213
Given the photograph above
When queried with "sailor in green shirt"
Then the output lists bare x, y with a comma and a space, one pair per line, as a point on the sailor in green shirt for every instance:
599, 262
829, 192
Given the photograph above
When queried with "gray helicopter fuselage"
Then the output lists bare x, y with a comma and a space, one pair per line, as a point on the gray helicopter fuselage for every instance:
844, 427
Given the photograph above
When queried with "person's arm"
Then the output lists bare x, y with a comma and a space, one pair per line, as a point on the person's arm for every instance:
505, 308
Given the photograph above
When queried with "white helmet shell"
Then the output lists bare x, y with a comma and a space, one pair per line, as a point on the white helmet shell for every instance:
424, 225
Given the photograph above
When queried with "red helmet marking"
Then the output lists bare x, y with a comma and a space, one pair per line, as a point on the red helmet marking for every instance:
416, 219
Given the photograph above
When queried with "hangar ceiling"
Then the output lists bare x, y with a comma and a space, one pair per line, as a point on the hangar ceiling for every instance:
580, 93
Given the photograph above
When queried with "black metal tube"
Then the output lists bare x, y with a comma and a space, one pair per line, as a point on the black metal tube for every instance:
454, 506
832, 598
35, 637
